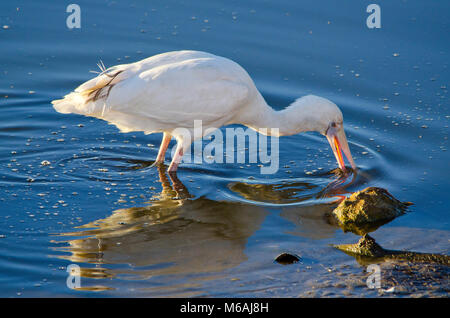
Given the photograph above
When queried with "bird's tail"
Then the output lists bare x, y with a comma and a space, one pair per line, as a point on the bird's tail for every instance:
71, 103
90, 97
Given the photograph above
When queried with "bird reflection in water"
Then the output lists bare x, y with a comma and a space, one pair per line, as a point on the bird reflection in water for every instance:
172, 236
177, 235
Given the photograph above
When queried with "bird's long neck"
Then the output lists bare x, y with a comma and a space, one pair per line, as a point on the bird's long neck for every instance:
261, 117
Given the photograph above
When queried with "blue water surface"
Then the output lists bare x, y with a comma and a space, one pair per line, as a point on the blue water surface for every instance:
74, 190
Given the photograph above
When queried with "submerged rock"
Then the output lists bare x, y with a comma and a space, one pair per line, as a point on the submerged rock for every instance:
365, 210
367, 250
286, 259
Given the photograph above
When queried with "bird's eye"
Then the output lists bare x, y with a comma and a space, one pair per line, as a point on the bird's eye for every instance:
333, 124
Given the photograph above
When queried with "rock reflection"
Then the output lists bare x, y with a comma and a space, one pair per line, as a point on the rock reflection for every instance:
277, 193
301, 190
305, 204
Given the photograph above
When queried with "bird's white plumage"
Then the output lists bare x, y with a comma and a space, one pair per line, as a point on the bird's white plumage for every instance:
172, 90
164, 92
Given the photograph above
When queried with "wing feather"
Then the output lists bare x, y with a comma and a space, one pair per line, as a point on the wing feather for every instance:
163, 92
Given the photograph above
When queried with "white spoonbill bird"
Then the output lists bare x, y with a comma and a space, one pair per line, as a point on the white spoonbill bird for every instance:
171, 90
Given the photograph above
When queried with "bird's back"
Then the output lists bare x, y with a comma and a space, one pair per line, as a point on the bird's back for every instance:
164, 92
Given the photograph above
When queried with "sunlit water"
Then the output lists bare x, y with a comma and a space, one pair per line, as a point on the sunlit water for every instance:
73, 190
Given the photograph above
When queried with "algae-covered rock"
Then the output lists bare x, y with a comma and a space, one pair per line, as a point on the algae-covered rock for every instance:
367, 250
405, 272
366, 246
367, 209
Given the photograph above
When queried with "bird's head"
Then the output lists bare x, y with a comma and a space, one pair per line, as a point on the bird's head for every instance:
338, 141
323, 116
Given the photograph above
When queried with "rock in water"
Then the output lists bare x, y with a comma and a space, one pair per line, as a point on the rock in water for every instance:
367, 209
367, 251
366, 246
286, 259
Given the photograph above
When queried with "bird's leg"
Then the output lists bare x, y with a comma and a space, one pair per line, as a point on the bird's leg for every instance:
163, 148
177, 157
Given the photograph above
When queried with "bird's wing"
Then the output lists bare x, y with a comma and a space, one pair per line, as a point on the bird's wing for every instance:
179, 93
109, 77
